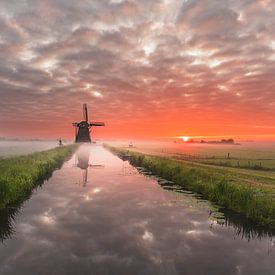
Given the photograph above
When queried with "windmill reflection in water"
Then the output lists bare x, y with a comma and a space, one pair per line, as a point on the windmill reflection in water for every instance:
82, 161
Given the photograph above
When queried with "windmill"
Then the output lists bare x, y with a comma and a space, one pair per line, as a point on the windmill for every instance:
82, 129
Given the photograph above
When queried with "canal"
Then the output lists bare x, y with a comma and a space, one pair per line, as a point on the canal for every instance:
100, 215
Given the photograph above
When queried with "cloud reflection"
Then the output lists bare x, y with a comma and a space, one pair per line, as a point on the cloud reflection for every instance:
115, 232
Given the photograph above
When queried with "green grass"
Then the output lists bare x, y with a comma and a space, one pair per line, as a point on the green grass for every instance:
252, 156
19, 175
234, 189
243, 163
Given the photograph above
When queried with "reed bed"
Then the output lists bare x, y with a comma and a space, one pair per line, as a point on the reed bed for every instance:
19, 175
221, 186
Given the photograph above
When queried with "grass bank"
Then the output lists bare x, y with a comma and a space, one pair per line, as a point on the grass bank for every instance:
222, 186
19, 175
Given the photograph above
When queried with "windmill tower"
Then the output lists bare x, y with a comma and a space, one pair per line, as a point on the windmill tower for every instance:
82, 129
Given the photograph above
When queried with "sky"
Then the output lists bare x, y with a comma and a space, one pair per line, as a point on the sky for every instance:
147, 68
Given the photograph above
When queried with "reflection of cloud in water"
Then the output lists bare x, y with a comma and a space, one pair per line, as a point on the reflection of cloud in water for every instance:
47, 217
26, 228
47, 220
198, 233
96, 190
45, 243
87, 197
148, 236
113, 233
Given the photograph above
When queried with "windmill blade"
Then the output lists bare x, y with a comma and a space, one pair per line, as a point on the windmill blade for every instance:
97, 124
75, 124
85, 112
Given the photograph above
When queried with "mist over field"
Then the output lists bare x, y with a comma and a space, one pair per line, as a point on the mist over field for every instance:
246, 149
15, 148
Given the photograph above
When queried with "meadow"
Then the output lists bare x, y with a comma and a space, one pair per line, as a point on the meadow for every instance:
246, 191
19, 175
248, 155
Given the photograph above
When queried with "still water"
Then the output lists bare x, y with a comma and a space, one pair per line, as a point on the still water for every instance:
99, 215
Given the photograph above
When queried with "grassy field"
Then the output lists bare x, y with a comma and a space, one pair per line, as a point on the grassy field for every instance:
249, 155
250, 192
19, 175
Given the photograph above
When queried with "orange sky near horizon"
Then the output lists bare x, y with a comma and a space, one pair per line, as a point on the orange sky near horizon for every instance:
148, 69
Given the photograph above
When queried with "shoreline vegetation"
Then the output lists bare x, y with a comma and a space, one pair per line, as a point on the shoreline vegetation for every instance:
246, 193
20, 175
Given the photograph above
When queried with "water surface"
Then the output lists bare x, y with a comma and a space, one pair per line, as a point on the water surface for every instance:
99, 215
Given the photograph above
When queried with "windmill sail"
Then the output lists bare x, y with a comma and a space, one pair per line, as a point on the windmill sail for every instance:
97, 124
85, 112
83, 127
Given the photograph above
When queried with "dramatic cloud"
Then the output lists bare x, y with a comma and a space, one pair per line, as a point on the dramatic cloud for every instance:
151, 68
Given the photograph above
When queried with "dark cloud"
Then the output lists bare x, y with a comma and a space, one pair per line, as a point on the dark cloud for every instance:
138, 60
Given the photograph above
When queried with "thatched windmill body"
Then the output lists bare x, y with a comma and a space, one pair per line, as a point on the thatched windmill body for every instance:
82, 129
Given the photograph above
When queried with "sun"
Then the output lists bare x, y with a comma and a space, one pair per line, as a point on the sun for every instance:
185, 139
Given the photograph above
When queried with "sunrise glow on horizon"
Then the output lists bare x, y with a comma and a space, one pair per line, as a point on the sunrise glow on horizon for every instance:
185, 138
219, 137
148, 69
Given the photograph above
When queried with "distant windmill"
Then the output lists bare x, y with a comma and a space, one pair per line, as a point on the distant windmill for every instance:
82, 129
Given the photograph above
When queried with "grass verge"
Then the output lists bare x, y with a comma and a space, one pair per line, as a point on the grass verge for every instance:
19, 175
221, 186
